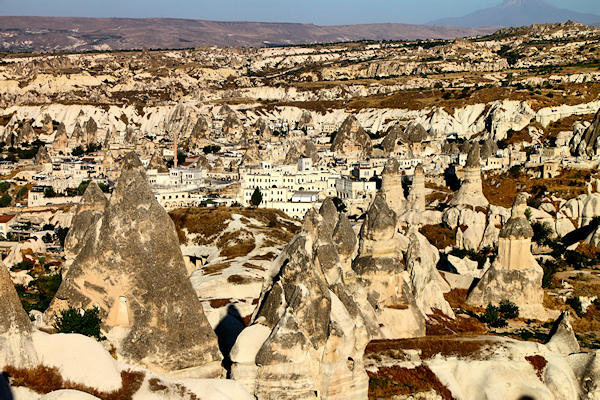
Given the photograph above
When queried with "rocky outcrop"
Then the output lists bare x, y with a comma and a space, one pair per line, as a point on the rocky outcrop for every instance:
427, 284
307, 336
91, 131
562, 338
416, 195
380, 268
471, 190
415, 212
391, 186
588, 144
88, 212
392, 140
514, 275
468, 208
132, 269
352, 140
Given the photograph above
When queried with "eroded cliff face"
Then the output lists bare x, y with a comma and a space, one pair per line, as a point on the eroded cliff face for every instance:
130, 266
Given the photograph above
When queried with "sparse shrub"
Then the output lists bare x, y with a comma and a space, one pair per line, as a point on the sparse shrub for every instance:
508, 309
339, 204
73, 320
528, 213
515, 171
492, 317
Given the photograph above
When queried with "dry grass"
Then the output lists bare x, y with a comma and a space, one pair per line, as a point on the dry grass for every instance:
44, 380
241, 280
218, 303
252, 266
208, 223
389, 382
268, 256
439, 235
215, 268
539, 363
501, 189
439, 324
447, 346
240, 248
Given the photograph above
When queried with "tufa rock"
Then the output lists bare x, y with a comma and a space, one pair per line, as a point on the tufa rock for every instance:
391, 185
514, 274
132, 269
312, 331
351, 140
88, 212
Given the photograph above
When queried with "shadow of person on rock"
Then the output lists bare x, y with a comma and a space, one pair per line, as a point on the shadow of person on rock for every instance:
227, 330
5, 392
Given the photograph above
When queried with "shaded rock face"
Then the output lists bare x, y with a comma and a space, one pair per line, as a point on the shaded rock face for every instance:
393, 139
199, 135
42, 156
515, 274
427, 284
588, 144
352, 140
158, 163
312, 330
26, 135
391, 186
89, 210
13, 318
380, 270
60, 138
16, 347
132, 268
298, 148
91, 130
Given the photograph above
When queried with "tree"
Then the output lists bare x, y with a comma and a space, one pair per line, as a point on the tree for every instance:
78, 151
49, 192
508, 309
82, 186
256, 198
5, 200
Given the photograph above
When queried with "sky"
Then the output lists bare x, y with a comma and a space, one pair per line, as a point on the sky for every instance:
320, 12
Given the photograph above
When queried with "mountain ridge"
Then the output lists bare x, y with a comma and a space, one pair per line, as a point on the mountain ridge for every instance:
511, 13
55, 34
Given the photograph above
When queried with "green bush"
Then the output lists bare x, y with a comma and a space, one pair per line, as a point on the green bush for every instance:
508, 309
256, 198
73, 320
339, 204
4, 186
492, 317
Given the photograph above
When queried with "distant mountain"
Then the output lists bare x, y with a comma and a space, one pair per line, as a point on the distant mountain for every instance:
519, 13
26, 34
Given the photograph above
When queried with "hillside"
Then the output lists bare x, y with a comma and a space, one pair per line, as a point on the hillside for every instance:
35, 34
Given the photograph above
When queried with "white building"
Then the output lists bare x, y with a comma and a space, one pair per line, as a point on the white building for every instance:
285, 187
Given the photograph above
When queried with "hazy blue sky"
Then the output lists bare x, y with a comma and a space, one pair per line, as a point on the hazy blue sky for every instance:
322, 12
